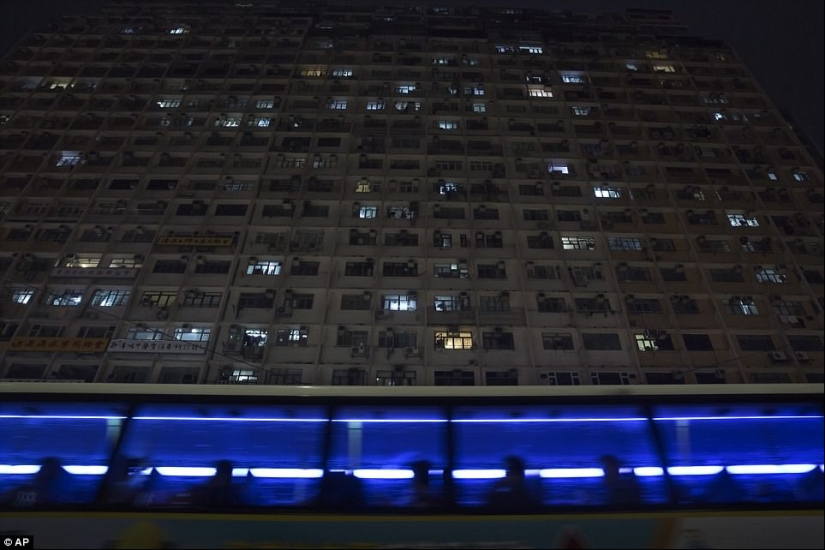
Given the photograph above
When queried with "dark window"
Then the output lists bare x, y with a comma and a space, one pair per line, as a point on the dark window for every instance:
169, 266
805, 343
601, 342
231, 210
755, 343
697, 342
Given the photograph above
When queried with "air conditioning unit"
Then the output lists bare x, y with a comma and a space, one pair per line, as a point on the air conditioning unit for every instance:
802, 357
778, 356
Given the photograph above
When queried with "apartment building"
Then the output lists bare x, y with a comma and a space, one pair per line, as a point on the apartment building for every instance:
310, 193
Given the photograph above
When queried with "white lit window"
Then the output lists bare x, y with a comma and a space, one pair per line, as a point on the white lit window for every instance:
70, 298
572, 78
179, 30
632, 67
718, 117
265, 104
70, 158
260, 122
404, 105
740, 220
368, 212
22, 296
138, 333
375, 105
405, 89
400, 302
168, 103
607, 192
479, 108
554, 168
263, 267
540, 91
110, 298
474, 90
741, 306
447, 188
194, 334
664, 68
337, 104
531, 49
342, 73
505, 49
441, 60
229, 122
471, 61
447, 125
130, 262
772, 175
766, 275
581, 111
799, 175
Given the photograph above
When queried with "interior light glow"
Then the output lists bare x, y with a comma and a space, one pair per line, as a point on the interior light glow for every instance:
19, 469
308, 473
61, 417
770, 469
224, 419
478, 474
648, 471
391, 420
694, 470
564, 473
185, 471
86, 470
758, 417
547, 420
383, 474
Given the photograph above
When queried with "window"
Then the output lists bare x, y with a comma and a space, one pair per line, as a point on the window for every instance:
350, 338
557, 341
22, 296
539, 91
356, 302
401, 269
303, 301
448, 125
741, 306
601, 342
405, 89
305, 268
664, 69
541, 241
632, 273
684, 305
740, 220
399, 302
291, 337
70, 158
603, 192
263, 267
530, 214
453, 340
770, 275
806, 343
697, 342
70, 298
755, 343
623, 244
169, 266
213, 267
643, 306
337, 104
375, 105
571, 78
550, 305
498, 340
359, 269
479, 108
186, 334
581, 111
342, 73
195, 298
578, 243
228, 122
110, 298
654, 340
265, 104
368, 212
492, 271
158, 298
168, 103
727, 275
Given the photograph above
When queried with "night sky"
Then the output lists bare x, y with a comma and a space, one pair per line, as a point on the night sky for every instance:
781, 42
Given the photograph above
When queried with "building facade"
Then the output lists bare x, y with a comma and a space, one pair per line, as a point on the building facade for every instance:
305, 193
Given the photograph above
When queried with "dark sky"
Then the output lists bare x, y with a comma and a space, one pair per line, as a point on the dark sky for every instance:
781, 41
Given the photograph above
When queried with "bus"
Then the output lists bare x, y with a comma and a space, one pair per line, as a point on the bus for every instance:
167, 466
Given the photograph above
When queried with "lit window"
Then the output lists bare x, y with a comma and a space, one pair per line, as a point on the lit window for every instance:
363, 186
447, 188
179, 30
623, 244
664, 68
572, 78
772, 175
131, 262
404, 105
558, 168
766, 275
70, 298
646, 343
453, 340
739, 220
741, 306
479, 108
715, 99
314, 72
578, 243
192, 334
400, 302
441, 60
263, 267
539, 91
405, 89
229, 122
260, 122
653, 54
110, 298
375, 105
70, 158
265, 104
505, 49
581, 111
474, 90
632, 67
342, 73
471, 61
337, 104
719, 117
168, 103
368, 212
137, 333
531, 49
799, 175
22, 296
447, 125
607, 192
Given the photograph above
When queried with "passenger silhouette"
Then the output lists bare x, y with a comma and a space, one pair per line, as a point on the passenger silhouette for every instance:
620, 489
512, 492
219, 491
423, 494
339, 491
43, 490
